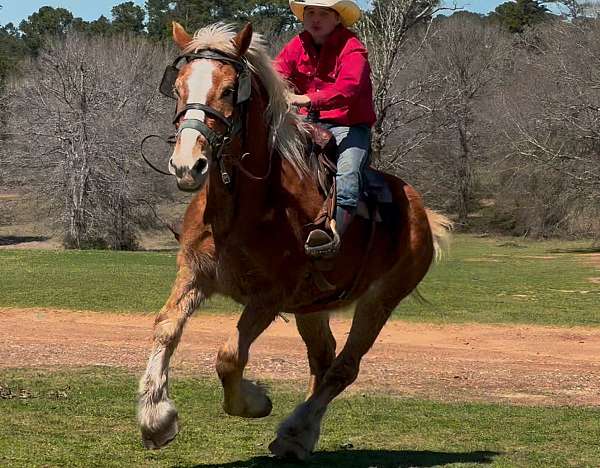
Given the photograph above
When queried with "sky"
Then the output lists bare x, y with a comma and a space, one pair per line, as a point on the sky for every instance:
16, 10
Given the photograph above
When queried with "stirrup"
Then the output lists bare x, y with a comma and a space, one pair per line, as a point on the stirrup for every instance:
321, 244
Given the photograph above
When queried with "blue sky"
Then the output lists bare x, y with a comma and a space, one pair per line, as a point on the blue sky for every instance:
16, 10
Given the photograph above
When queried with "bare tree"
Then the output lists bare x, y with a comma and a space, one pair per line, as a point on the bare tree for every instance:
395, 32
577, 9
469, 55
559, 132
77, 118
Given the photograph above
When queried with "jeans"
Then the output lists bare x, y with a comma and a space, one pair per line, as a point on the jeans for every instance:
354, 151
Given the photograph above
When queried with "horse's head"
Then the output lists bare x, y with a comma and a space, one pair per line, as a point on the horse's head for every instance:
210, 87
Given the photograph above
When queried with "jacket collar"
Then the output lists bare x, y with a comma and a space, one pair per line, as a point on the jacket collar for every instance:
339, 34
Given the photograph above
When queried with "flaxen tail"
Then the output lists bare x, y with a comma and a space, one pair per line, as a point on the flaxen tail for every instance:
440, 229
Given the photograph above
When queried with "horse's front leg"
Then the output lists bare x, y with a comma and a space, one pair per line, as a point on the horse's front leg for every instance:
157, 415
240, 396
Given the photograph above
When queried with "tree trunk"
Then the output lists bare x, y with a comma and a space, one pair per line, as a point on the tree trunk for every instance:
464, 175
377, 142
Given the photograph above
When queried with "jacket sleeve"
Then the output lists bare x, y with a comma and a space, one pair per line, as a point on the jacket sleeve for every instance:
353, 77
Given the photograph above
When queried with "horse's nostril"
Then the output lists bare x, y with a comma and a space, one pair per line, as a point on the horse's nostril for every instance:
176, 171
200, 166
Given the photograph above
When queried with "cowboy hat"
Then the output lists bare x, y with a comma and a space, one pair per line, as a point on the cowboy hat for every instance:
348, 10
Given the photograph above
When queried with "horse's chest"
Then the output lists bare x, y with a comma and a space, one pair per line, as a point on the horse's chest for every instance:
243, 278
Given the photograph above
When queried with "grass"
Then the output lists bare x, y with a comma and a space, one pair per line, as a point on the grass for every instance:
488, 280
97, 280
500, 280
87, 418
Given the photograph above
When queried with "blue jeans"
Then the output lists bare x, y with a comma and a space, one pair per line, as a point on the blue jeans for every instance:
354, 151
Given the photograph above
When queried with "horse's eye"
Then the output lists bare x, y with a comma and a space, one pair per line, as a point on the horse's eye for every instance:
227, 92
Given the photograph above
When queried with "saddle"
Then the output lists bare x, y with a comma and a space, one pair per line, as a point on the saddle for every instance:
322, 158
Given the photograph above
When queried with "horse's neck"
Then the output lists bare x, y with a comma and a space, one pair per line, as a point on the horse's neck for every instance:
283, 194
240, 207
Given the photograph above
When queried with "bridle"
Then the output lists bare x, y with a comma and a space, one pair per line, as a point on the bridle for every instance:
216, 140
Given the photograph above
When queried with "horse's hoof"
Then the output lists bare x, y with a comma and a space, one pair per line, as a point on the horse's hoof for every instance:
262, 410
162, 430
251, 411
288, 449
159, 440
255, 402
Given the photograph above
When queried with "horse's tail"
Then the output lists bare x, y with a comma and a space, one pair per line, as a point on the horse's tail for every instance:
440, 227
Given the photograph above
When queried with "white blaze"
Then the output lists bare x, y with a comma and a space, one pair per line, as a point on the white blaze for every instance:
199, 84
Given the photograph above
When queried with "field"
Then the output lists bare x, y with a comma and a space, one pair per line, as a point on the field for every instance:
89, 420
499, 369
482, 280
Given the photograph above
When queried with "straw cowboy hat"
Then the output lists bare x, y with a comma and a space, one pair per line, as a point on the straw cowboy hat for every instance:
348, 10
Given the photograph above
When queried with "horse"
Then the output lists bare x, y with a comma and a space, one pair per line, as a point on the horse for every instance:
240, 148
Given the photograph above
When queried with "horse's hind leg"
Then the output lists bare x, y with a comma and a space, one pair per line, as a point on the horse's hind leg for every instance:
242, 397
320, 345
157, 415
299, 433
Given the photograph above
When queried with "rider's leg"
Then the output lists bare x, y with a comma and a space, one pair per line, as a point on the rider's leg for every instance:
353, 144
353, 156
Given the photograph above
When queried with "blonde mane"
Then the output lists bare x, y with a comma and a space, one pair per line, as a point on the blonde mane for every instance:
283, 122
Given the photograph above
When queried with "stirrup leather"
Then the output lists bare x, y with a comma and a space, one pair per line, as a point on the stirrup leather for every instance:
320, 244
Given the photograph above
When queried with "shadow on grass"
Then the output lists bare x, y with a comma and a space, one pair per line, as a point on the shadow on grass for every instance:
12, 240
366, 458
579, 250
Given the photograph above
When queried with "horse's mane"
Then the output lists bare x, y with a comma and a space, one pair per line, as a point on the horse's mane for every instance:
282, 121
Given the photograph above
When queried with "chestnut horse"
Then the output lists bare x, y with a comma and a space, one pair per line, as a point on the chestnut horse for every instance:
241, 147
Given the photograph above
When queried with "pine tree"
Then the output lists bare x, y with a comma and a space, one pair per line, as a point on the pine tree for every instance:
12, 49
160, 16
128, 17
516, 16
47, 21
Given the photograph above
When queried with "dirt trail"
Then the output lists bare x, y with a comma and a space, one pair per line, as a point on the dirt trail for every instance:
520, 364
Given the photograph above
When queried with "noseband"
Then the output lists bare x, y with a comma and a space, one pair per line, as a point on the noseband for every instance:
217, 141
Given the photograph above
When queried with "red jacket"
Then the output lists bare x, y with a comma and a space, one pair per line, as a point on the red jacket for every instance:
336, 79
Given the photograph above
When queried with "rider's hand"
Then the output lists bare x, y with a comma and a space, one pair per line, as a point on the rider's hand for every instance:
300, 100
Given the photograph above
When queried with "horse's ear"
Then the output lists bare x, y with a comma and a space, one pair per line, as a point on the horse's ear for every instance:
242, 41
180, 36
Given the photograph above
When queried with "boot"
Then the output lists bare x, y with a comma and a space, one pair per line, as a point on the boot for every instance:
343, 218
320, 244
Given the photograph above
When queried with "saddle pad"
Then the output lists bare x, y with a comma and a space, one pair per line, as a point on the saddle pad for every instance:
375, 186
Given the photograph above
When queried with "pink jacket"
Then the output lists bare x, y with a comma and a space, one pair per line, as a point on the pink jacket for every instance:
337, 78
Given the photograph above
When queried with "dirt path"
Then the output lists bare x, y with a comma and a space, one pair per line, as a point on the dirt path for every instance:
520, 364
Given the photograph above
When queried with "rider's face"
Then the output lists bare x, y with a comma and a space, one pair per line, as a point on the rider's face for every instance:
320, 22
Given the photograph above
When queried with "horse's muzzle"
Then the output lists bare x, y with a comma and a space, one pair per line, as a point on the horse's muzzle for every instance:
190, 180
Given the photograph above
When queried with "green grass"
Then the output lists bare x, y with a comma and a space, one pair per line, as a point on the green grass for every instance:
98, 280
499, 280
482, 280
93, 424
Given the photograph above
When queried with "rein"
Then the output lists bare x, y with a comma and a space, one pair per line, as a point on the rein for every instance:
147, 161
269, 167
